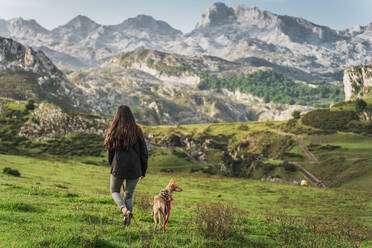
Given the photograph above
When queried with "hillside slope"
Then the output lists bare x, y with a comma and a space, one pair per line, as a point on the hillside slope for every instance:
163, 87
252, 149
26, 73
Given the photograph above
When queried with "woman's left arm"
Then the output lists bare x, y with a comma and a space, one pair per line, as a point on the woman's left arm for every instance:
144, 156
110, 156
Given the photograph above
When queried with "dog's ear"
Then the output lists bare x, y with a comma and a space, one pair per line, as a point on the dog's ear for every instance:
172, 181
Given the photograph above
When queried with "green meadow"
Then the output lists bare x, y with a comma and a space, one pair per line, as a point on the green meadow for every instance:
62, 198
68, 204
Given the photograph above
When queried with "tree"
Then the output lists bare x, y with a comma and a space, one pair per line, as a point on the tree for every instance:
368, 112
267, 98
30, 104
360, 105
296, 114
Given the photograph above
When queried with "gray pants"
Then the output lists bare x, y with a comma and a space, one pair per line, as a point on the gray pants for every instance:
115, 186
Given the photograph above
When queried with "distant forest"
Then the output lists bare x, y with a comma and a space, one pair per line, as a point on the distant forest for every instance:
274, 87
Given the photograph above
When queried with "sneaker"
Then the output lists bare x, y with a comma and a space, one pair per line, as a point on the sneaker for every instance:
129, 218
125, 220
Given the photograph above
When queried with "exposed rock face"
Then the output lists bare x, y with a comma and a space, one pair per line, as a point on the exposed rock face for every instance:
217, 14
14, 55
148, 23
358, 82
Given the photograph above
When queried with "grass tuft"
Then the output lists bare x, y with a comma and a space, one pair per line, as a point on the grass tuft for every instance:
10, 171
19, 207
215, 220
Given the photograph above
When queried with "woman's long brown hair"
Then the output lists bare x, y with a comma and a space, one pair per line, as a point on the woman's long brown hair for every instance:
123, 132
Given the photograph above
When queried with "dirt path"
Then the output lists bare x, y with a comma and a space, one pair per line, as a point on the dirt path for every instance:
308, 175
300, 142
310, 156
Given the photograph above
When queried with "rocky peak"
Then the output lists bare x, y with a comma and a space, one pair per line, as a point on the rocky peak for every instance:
75, 30
20, 25
79, 23
302, 31
246, 13
264, 25
217, 14
145, 22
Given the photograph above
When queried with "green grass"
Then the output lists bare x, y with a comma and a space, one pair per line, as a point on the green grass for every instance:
348, 165
349, 105
173, 159
68, 204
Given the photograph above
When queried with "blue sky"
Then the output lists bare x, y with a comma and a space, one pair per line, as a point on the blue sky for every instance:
183, 14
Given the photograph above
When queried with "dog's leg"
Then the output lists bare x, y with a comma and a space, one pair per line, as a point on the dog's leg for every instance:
164, 218
159, 216
155, 220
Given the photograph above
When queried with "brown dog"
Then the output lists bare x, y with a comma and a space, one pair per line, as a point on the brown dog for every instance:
160, 205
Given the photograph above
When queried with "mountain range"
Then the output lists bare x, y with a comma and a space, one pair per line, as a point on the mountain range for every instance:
160, 87
249, 36
238, 64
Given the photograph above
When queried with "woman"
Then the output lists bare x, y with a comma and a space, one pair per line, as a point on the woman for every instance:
127, 155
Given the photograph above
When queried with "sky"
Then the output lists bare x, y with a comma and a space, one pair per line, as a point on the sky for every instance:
183, 14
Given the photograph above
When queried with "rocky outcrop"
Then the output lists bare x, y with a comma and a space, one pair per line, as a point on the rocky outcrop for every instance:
29, 73
14, 56
49, 121
358, 82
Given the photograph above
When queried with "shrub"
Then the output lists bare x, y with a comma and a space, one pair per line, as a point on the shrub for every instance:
30, 104
291, 155
296, 114
143, 201
360, 127
243, 127
215, 220
11, 171
268, 167
329, 147
329, 120
360, 105
288, 166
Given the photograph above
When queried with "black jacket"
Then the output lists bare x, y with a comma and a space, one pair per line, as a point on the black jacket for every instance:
129, 164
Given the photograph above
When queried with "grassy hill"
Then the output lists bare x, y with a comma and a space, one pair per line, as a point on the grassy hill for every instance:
254, 149
68, 204
62, 197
